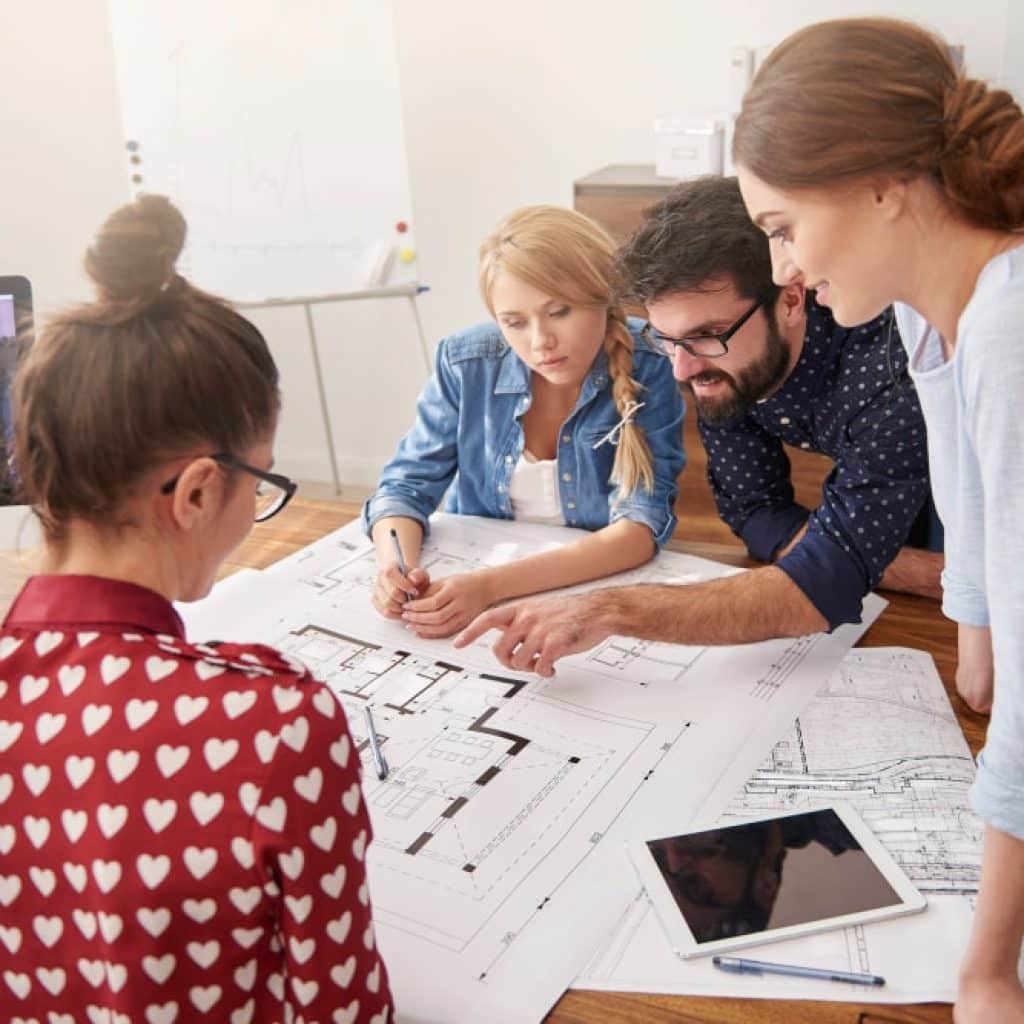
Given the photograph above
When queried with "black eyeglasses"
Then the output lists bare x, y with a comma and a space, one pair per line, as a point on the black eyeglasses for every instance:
273, 493
704, 346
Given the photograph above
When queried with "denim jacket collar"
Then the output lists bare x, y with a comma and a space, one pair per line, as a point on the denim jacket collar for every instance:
514, 376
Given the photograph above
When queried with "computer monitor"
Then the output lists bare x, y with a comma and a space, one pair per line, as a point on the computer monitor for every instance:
15, 309
15, 328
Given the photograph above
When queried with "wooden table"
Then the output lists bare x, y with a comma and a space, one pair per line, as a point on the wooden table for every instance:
908, 621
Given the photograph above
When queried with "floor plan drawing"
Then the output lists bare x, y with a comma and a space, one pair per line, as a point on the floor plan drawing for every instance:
880, 735
510, 796
642, 661
488, 772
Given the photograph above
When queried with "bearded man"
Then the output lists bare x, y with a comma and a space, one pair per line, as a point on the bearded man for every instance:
766, 367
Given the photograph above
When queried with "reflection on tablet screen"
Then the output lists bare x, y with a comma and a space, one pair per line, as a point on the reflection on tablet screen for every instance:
742, 879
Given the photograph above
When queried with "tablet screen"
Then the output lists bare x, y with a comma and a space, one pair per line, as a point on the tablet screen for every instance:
763, 875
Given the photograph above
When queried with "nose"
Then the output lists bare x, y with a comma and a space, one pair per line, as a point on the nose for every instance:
784, 270
541, 337
684, 365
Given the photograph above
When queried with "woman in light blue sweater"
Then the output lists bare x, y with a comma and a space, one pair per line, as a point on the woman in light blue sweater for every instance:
882, 175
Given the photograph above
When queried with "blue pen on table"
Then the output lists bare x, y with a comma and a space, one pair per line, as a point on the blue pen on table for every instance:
400, 559
737, 965
380, 763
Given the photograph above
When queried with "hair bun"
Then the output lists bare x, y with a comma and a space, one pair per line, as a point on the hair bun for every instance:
133, 256
983, 153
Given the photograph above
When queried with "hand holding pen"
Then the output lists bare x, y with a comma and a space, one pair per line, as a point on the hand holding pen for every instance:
395, 583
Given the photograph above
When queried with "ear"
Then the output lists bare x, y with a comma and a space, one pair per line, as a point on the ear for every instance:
198, 494
790, 304
889, 198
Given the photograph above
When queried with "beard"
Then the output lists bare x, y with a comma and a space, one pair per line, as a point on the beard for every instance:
747, 387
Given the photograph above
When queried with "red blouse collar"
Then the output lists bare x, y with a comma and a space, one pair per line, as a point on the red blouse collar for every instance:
92, 601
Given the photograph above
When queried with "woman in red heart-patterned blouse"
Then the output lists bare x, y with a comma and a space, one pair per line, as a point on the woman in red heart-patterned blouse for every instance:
182, 831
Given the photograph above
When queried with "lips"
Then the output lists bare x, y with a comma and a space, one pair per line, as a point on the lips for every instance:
705, 380
550, 364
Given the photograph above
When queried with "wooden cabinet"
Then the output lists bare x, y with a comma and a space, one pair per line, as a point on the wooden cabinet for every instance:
616, 196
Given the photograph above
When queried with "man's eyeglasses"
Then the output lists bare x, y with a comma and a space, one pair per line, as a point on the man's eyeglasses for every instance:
272, 494
704, 346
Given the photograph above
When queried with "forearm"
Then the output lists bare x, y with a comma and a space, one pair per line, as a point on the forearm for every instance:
761, 604
975, 669
616, 548
995, 944
410, 537
915, 571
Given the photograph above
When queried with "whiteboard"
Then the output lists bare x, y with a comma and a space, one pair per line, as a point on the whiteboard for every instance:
277, 129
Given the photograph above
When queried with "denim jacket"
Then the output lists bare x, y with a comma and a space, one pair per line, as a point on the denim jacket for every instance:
468, 434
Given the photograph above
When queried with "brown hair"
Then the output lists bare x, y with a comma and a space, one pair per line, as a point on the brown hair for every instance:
153, 368
699, 233
568, 255
847, 99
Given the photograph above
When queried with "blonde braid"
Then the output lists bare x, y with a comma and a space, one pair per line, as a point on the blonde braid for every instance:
633, 463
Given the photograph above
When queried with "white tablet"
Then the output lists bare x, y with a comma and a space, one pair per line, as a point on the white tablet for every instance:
770, 879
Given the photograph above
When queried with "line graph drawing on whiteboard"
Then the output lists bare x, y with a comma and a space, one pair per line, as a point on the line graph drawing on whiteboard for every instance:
282, 145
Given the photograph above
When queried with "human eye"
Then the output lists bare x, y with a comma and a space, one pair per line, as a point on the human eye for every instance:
560, 311
779, 235
513, 324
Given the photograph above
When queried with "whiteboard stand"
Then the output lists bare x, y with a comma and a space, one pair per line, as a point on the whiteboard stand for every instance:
307, 302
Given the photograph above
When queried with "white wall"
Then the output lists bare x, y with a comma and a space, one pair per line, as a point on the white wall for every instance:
502, 105
1013, 52
60, 141
373, 370
506, 105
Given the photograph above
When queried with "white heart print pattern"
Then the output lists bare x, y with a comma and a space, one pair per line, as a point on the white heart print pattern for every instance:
151, 792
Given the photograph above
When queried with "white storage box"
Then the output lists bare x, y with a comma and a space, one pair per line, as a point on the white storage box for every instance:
687, 147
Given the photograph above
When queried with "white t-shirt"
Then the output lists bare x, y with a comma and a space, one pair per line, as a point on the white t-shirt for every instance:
533, 491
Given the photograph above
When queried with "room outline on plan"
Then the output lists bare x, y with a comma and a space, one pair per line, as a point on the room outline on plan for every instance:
475, 756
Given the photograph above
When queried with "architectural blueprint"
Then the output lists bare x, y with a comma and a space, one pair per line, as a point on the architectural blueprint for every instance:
881, 735
509, 796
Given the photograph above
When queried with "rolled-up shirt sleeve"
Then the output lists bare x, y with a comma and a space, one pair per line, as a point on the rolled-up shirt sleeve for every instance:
868, 503
962, 600
869, 419
749, 474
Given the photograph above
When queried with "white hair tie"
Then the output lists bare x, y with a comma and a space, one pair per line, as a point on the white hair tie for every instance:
615, 434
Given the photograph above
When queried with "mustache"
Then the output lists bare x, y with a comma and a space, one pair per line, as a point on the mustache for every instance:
705, 377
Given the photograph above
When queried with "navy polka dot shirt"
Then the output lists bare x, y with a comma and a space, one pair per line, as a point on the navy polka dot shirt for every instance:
848, 397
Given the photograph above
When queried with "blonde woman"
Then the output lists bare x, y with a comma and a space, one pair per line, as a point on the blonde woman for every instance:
555, 412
